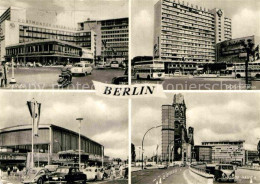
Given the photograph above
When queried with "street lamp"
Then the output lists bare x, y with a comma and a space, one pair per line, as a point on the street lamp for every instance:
143, 144
79, 119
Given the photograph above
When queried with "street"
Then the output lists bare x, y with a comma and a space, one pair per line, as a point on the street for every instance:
190, 83
46, 78
167, 176
180, 175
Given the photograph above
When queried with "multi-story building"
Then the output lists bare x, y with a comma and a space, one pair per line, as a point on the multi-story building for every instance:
251, 156
16, 144
203, 153
227, 151
16, 28
232, 51
187, 33
177, 142
112, 37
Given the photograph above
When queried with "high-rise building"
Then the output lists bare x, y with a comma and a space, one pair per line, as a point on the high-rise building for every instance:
177, 141
187, 33
227, 151
112, 37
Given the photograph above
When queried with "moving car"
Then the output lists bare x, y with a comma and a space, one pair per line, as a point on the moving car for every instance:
94, 173
36, 175
67, 175
121, 79
81, 68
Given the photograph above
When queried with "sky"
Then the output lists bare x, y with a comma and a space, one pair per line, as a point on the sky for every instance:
105, 120
245, 15
214, 115
69, 12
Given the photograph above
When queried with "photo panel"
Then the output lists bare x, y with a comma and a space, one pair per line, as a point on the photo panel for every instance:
76, 137
63, 44
197, 137
196, 44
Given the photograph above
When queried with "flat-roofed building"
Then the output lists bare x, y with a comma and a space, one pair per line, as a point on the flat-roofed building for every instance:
19, 29
203, 153
227, 151
50, 141
112, 37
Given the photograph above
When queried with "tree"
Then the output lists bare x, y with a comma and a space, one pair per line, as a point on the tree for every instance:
248, 47
133, 152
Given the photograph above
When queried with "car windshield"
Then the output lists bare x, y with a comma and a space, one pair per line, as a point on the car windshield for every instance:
63, 170
78, 65
227, 167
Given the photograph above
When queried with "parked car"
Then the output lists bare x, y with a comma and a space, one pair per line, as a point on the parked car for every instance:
94, 173
162, 166
67, 175
114, 64
36, 175
81, 68
38, 64
29, 64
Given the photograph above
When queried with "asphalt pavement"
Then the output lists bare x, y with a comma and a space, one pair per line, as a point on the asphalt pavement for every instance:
46, 78
165, 176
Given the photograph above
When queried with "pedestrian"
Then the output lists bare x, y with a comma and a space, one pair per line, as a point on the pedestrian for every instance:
112, 172
121, 171
3, 74
8, 171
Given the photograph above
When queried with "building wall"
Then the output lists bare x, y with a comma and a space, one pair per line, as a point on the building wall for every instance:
23, 137
64, 140
225, 152
189, 33
157, 29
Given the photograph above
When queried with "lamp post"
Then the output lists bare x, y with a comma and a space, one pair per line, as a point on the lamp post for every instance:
79, 119
143, 144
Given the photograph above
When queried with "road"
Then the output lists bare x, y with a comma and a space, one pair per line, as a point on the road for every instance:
167, 176
189, 83
181, 176
46, 78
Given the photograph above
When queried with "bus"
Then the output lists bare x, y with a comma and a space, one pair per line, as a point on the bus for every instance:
151, 69
238, 69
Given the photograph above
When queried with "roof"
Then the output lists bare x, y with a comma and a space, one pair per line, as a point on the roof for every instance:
43, 41
103, 20
41, 126
221, 141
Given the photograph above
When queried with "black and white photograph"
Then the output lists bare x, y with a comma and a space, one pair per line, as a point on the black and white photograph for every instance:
196, 44
196, 138
54, 44
76, 138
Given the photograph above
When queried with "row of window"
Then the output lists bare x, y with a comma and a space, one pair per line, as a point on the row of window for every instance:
115, 32
115, 36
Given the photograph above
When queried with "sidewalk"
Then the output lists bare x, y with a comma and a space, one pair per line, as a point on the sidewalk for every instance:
255, 168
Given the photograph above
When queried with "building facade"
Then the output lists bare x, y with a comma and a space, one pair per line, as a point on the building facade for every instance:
52, 140
187, 33
16, 28
177, 141
251, 156
227, 151
112, 37
203, 153
232, 51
